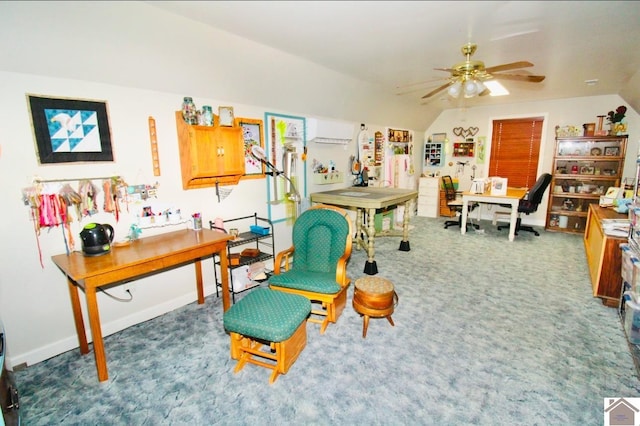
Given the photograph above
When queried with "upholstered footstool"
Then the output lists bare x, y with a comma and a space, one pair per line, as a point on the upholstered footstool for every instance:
268, 328
374, 297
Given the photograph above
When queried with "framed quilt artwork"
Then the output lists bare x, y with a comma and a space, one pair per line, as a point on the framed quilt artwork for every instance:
70, 130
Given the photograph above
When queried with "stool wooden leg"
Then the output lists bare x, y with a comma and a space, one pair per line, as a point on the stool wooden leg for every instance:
390, 320
365, 325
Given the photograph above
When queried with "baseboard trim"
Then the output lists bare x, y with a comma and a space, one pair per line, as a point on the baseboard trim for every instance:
71, 342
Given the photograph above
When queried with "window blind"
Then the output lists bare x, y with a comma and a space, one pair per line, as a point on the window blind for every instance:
515, 148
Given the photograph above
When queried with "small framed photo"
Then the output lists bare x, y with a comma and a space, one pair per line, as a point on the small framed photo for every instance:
70, 130
612, 151
225, 114
587, 170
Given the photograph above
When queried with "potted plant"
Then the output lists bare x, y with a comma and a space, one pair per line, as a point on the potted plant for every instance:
616, 121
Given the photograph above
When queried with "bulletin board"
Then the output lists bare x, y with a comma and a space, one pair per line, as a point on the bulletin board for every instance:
285, 145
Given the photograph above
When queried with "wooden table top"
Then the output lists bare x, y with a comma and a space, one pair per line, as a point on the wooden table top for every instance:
364, 197
140, 252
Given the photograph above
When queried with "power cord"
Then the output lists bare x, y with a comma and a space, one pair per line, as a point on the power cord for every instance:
119, 299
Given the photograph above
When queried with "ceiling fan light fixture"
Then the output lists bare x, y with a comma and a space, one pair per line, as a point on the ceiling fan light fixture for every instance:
455, 89
472, 78
470, 88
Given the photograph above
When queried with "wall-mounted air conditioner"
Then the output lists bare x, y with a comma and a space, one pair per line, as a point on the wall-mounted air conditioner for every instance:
329, 131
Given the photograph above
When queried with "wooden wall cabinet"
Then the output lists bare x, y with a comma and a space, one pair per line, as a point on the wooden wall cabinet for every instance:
209, 155
583, 169
603, 256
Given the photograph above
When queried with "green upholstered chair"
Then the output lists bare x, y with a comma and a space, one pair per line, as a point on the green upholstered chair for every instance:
268, 328
315, 266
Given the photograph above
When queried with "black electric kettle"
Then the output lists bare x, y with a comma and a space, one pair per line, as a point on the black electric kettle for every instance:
96, 239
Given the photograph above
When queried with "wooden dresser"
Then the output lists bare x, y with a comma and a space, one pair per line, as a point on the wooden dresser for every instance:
603, 255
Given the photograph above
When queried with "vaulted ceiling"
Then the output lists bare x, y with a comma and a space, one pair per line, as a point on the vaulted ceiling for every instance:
394, 45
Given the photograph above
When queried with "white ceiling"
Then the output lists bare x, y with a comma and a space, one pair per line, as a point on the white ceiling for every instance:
398, 43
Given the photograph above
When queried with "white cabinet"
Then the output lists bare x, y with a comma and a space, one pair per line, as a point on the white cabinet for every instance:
429, 196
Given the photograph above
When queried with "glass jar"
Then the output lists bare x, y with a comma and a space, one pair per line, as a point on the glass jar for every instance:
207, 114
189, 111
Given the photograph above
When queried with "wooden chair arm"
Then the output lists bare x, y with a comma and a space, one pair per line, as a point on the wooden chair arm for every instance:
284, 257
341, 271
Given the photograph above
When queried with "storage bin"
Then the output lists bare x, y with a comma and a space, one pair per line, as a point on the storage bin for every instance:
627, 261
384, 221
632, 322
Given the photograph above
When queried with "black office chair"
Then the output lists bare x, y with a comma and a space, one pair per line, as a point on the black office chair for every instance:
455, 204
529, 203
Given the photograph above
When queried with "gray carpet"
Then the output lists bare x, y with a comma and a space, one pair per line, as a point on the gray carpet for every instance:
486, 332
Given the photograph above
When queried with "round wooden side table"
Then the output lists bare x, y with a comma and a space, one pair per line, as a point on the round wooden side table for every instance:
374, 297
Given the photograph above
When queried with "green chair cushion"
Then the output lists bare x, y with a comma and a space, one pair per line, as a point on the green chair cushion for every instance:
319, 237
267, 314
316, 282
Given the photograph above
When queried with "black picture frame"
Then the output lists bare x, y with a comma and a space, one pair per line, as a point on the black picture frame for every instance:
70, 130
611, 151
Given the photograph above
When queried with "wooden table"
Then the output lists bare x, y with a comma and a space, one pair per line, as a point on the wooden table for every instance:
366, 200
512, 198
142, 257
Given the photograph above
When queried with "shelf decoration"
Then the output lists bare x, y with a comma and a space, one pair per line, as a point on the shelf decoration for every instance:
225, 114
568, 131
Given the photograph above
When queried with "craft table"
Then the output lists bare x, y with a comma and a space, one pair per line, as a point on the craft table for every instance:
512, 198
366, 200
142, 257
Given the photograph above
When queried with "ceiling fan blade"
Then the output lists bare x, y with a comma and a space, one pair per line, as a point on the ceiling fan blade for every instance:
412, 87
438, 89
516, 77
508, 67
444, 69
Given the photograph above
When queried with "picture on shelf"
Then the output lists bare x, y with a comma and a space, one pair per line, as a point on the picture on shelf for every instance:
612, 151
587, 170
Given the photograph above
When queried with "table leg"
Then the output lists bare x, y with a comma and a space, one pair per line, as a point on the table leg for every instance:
370, 267
514, 220
77, 317
96, 333
199, 287
224, 278
404, 244
465, 211
359, 221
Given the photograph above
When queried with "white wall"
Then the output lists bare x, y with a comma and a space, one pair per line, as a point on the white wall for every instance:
574, 111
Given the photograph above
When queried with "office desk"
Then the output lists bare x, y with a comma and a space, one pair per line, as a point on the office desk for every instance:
142, 257
366, 200
512, 198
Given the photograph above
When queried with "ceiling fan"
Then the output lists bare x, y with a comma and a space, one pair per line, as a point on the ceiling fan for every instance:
467, 77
